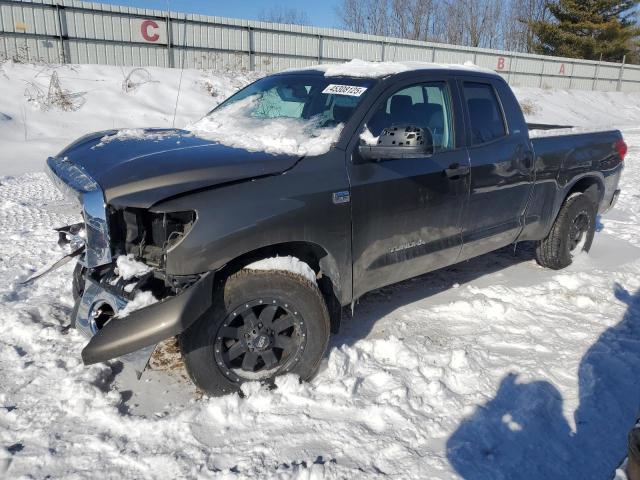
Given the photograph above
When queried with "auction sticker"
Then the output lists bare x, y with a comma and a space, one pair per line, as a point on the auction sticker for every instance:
349, 90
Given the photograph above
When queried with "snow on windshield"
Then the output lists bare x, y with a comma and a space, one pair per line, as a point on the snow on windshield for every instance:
236, 125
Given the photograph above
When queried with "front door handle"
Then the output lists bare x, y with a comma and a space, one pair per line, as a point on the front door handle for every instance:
456, 171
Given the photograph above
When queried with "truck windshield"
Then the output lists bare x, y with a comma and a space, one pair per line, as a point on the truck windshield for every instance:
293, 114
329, 100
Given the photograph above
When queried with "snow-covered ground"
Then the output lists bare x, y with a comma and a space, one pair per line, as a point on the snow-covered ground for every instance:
97, 98
492, 369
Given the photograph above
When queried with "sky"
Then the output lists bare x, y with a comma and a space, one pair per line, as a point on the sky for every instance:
321, 14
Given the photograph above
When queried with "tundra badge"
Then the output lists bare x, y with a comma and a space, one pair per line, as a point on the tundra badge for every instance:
341, 197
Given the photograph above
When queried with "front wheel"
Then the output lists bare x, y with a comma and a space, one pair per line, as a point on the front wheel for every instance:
572, 232
263, 324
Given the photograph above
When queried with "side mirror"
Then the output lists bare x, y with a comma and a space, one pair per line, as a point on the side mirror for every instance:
400, 141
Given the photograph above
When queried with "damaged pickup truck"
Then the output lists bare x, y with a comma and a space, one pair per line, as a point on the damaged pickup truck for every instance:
246, 233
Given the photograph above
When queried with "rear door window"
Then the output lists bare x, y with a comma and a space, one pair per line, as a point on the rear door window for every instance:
485, 114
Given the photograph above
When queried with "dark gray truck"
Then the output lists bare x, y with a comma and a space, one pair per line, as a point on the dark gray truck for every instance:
429, 167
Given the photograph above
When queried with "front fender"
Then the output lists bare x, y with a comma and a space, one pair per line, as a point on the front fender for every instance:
243, 217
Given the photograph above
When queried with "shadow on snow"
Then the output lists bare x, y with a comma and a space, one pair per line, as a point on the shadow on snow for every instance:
522, 433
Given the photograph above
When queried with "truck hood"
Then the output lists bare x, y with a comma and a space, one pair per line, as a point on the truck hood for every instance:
138, 168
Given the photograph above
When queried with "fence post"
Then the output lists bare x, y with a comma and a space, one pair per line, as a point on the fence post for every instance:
251, 59
63, 55
573, 65
382, 54
319, 49
541, 73
169, 55
595, 79
624, 59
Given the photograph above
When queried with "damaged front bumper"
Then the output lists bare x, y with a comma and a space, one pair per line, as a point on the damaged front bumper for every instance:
141, 329
98, 313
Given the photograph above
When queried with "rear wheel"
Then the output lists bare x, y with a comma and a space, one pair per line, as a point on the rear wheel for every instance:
263, 324
572, 232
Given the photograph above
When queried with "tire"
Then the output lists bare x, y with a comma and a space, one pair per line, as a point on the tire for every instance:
77, 286
230, 344
573, 229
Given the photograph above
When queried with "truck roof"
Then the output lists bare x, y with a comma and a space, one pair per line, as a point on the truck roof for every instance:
364, 69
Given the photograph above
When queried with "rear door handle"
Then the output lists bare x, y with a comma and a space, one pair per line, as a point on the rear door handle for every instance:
455, 171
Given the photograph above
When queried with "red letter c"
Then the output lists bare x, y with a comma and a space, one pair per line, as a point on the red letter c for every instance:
144, 30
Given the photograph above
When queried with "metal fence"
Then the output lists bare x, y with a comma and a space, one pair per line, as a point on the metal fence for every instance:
71, 31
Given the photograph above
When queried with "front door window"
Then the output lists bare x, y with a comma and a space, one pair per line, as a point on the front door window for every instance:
425, 105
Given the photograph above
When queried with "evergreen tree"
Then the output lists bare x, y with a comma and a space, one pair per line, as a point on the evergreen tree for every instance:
588, 29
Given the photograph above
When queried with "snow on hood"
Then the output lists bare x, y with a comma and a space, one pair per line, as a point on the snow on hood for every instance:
136, 134
234, 126
365, 69
137, 174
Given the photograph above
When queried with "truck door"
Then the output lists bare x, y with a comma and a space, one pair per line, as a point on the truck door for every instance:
501, 169
406, 213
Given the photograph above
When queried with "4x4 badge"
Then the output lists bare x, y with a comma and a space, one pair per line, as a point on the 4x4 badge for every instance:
341, 197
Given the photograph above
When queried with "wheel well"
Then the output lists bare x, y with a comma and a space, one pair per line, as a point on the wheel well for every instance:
313, 255
591, 187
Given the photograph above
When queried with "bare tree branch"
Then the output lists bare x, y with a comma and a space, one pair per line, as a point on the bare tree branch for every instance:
477, 23
279, 14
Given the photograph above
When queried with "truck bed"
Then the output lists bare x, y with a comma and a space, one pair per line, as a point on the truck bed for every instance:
560, 159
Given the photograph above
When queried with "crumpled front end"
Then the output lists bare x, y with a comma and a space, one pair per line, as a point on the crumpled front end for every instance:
135, 335
127, 307
77, 185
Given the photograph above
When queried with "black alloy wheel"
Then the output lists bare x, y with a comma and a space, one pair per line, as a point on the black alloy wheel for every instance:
259, 339
573, 229
579, 229
262, 324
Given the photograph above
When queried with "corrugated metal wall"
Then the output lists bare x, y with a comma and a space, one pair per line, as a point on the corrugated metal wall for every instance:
72, 31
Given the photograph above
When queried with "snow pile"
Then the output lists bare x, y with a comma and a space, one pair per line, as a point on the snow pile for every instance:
580, 108
128, 267
141, 300
288, 263
31, 135
365, 69
360, 68
368, 138
136, 134
234, 125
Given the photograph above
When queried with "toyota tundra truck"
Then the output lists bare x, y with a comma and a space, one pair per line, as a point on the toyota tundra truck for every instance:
305, 190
